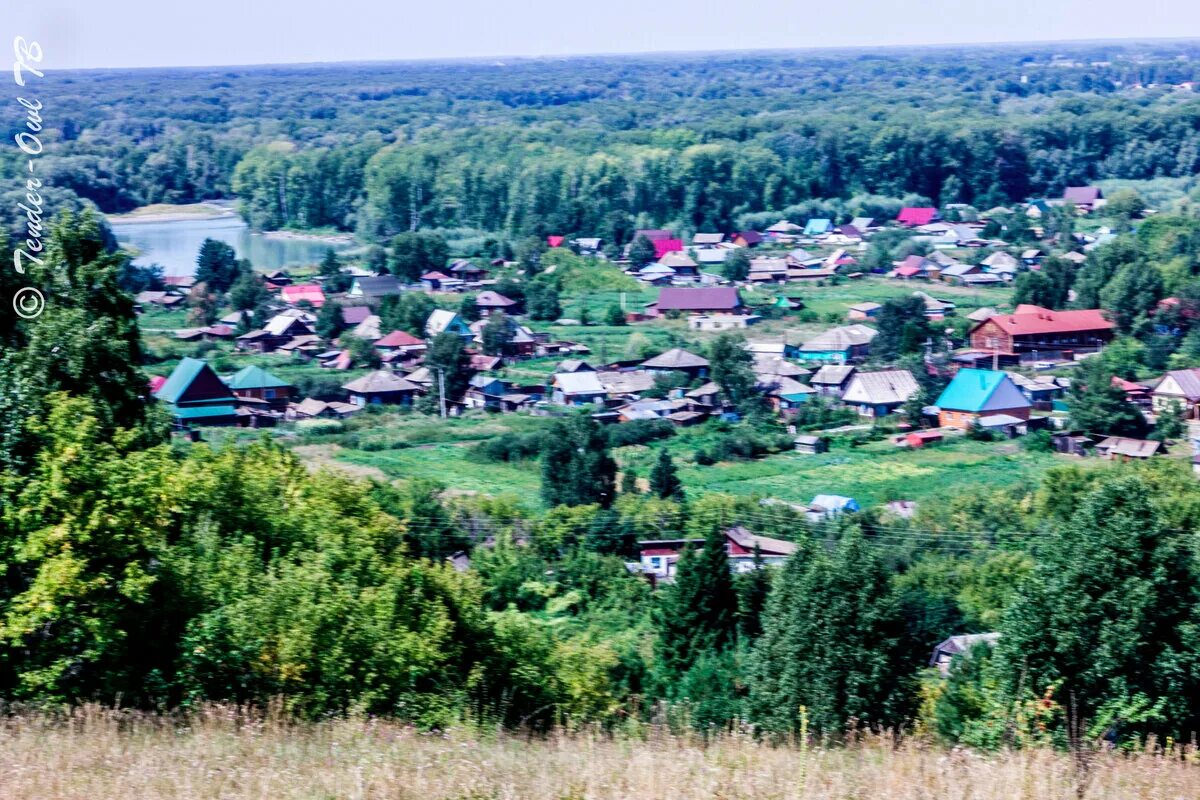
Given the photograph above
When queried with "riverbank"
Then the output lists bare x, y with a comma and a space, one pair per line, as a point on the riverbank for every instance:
165, 212
220, 752
299, 236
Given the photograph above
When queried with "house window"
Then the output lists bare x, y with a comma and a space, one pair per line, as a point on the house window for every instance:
269, 394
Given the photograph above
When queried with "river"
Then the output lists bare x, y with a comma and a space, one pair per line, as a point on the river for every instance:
173, 244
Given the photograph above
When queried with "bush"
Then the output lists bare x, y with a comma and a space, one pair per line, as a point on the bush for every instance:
639, 431
509, 447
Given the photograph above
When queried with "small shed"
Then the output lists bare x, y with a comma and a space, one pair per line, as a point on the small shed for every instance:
917, 439
811, 445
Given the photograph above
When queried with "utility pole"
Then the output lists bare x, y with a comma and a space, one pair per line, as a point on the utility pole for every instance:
442, 391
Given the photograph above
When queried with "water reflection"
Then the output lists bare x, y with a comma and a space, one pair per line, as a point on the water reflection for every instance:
173, 244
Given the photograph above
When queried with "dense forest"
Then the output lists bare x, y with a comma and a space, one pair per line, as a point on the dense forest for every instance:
602, 145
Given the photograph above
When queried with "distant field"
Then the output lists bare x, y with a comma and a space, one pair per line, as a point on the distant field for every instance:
825, 299
874, 473
878, 472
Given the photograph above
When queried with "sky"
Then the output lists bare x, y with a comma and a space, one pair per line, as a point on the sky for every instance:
151, 33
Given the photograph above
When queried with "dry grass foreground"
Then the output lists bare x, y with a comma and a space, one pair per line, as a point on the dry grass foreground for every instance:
219, 753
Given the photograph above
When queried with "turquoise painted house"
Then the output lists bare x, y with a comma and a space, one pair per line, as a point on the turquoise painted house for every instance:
196, 396
976, 394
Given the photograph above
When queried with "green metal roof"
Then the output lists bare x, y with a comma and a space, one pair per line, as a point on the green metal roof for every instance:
253, 378
197, 413
181, 378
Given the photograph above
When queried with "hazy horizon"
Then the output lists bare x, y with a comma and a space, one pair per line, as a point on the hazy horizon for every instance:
145, 34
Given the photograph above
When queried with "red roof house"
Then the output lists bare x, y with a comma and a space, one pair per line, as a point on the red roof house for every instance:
1032, 327
399, 340
664, 246
912, 216
304, 291
654, 234
554, 241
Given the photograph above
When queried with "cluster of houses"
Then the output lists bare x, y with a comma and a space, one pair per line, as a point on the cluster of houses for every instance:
834, 247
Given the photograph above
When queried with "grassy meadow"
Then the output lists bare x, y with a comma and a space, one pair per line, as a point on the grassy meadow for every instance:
404, 446
222, 754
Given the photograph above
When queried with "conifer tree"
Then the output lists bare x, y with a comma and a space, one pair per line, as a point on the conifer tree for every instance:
664, 480
699, 610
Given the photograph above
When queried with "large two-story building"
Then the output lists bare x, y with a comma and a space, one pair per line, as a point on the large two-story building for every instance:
1031, 329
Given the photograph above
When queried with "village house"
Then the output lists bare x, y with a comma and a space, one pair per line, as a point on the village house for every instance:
831, 380
696, 300
707, 239
402, 344
486, 392
877, 394
369, 329
659, 556
863, 311
577, 389
914, 267
435, 280
381, 387
1178, 389
677, 360
1033, 329
681, 264
747, 238
311, 408
194, 395
374, 287
976, 393
490, 302
911, 217
279, 330
818, 227
467, 272
839, 345
309, 293
1085, 199
1120, 448
785, 395
353, 315
520, 341
258, 384
442, 321
959, 647
828, 506
161, 299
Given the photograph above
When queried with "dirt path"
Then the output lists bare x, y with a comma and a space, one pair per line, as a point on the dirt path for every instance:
324, 456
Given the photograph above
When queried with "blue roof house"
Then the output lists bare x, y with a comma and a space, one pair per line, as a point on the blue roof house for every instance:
196, 396
977, 393
825, 506
818, 227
